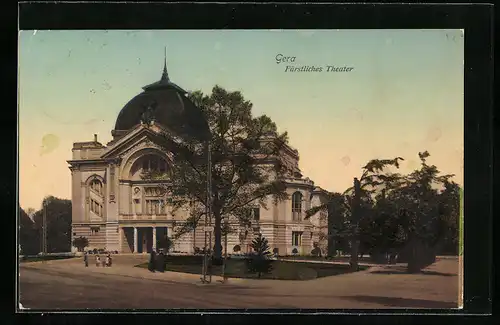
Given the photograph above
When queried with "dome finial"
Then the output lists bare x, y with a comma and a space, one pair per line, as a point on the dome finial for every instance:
164, 76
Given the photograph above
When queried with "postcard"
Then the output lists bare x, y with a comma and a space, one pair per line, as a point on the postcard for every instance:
240, 169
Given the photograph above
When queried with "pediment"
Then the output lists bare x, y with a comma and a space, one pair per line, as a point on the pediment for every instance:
140, 137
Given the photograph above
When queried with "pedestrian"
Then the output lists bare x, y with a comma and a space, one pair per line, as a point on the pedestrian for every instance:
107, 260
110, 260
103, 262
86, 259
152, 260
161, 262
97, 260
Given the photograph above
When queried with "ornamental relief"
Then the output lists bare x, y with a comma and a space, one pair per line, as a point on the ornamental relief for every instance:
154, 191
136, 193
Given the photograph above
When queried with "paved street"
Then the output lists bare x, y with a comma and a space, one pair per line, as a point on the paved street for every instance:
67, 284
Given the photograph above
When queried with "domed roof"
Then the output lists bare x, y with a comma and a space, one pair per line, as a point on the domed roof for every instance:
167, 104
164, 96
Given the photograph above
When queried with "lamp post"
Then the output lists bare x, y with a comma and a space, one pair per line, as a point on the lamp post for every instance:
226, 229
45, 228
208, 220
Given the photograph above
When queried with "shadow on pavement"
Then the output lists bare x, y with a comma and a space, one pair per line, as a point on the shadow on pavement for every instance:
424, 272
402, 302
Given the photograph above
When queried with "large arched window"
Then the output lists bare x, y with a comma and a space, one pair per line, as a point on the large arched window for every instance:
296, 205
153, 163
145, 164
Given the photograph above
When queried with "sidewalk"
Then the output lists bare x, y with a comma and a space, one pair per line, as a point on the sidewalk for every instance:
376, 287
125, 271
438, 277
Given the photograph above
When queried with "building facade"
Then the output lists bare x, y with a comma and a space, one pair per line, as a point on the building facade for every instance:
117, 210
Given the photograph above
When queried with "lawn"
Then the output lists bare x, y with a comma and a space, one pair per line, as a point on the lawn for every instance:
236, 268
365, 258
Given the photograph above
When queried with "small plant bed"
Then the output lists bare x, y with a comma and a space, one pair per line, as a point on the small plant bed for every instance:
237, 268
25, 259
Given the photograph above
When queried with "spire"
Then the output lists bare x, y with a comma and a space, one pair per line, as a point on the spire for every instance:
164, 76
165, 81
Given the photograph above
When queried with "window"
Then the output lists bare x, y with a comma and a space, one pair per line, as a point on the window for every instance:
94, 231
256, 214
153, 163
296, 238
162, 166
96, 208
296, 206
155, 207
96, 186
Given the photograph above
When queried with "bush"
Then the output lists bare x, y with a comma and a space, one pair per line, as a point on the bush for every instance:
80, 243
316, 252
295, 251
236, 248
276, 251
197, 250
260, 261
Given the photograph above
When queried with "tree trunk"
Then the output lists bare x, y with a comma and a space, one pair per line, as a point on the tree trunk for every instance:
354, 254
414, 262
217, 256
194, 239
355, 215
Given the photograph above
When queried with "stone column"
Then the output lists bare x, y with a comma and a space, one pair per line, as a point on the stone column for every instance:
135, 240
154, 238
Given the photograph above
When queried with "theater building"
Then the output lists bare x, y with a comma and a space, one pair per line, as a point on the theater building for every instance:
118, 210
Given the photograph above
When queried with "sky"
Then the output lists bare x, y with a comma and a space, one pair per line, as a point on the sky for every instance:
404, 94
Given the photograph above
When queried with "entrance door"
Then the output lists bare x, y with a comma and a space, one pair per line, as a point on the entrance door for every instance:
145, 240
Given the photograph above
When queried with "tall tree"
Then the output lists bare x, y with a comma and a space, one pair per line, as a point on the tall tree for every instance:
388, 212
337, 214
28, 236
424, 209
358, 200
58, 224
247, 164
450, 221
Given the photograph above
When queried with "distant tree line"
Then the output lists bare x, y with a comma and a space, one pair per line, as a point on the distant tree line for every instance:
58, 227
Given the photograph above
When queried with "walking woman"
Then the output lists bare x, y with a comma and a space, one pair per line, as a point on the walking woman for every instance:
86, 259
97, 260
